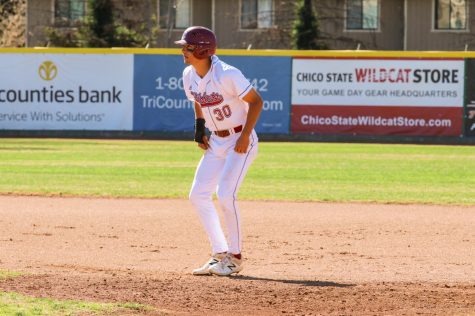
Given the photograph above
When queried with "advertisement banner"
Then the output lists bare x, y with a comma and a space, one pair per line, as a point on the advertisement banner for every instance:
160, 103
66, 92
373, 120
419, 97
470, 98
271, 77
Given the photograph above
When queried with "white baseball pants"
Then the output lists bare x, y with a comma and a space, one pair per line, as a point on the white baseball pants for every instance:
221, 169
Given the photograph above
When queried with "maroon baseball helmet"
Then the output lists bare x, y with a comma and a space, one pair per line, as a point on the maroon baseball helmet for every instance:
202, 38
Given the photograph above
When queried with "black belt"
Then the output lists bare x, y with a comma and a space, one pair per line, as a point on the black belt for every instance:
227, 132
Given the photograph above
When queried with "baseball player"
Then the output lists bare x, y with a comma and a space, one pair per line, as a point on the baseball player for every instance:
228, 106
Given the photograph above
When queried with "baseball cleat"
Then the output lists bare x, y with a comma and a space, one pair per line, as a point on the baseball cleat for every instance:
215, 259
227, 266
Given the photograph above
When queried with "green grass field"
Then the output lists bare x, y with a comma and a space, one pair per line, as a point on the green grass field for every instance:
20, 305
336, 172
8, 274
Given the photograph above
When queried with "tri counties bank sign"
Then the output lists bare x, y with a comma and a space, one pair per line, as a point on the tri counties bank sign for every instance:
66, 91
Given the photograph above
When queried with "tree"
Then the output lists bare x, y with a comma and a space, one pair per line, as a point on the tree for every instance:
305, 32
12, 23
99, 29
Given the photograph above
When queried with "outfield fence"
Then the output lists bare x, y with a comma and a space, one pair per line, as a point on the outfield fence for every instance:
307, 94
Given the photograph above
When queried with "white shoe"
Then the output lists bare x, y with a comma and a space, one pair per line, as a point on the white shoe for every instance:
227, 266
215, 259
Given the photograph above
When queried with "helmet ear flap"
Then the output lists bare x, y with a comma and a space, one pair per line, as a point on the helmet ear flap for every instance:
201, 53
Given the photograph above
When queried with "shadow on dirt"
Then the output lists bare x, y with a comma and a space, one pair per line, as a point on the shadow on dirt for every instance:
300, 282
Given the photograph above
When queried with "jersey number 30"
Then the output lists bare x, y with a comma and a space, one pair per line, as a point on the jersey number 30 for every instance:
221, 113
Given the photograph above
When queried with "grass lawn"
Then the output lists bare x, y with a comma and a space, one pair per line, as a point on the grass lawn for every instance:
20, 305
337, 172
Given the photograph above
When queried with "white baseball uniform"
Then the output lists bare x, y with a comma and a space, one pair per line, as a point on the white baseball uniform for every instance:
221, 169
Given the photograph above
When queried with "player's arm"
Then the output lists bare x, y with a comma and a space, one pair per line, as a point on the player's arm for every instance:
200, 134
255, 108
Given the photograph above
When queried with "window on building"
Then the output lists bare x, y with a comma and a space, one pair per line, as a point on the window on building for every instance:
362, 14
174, 14
256, 14
450, 14
69, 11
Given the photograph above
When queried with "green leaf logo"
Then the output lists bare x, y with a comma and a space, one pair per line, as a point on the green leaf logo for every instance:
48, 70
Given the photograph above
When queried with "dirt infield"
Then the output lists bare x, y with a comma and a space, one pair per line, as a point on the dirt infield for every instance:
300, 258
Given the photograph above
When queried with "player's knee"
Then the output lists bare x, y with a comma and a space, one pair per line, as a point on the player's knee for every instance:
195, 196
225, 196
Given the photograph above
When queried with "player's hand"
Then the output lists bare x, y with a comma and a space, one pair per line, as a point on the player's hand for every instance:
205, 144
242, 144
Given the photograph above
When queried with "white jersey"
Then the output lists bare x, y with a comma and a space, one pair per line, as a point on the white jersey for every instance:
219, 93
